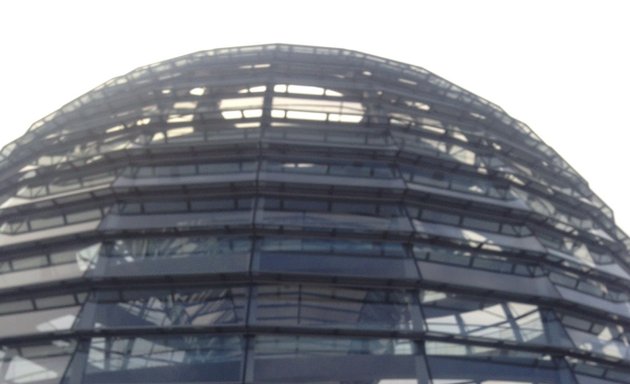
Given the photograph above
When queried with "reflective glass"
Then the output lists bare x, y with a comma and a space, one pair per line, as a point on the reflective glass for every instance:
164, 359
329, 256
477, 317
586, 285
597, 335
435, 348
282, 131
492, 381
474, 259
179, 205
325, 215
174, 255
41, 363
318, 167
54, 266
165, 308
302, 359
443, 178
588, 372
64, 184
486, 364
36, 223
191, 169
50, 320
313, 306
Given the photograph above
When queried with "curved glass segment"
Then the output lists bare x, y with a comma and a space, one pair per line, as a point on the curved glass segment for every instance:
160, 359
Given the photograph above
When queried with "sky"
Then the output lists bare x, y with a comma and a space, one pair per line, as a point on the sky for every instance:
562, 67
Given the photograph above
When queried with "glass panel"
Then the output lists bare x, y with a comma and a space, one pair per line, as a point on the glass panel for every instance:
588, 286
59, 265
64, 184
273, 346
477, 317
149, 308
39, 223
156, 359
55, 301
77, 217
43, 363
597, 335
175, 255
484, 225
588, 372
482, 381
301, 359
38, 321
172, 206
475, 259
325, 215
332, 246
29, 262
313, 306
46, 222
435, 348
16, 306
177, 247
334, 257
439, 217
381, 171
34, 315
510, 368
191, 169
427, 177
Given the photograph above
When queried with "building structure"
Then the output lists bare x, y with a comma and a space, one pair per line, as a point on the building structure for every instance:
292, 214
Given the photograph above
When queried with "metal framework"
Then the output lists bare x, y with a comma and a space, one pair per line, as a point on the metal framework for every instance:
293, 214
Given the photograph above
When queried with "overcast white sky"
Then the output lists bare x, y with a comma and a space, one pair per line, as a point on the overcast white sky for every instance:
562, 67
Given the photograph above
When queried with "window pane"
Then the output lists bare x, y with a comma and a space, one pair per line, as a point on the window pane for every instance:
475, 317
334, 307
155, 359
36, 363
183, 307
301, 359
174, 255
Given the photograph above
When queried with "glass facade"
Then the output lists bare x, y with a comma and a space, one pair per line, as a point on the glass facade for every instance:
292, 214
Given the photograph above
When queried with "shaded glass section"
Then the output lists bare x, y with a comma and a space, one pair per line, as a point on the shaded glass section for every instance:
164, 307
311, 134
330, 168
45, 313
65, 184
587, 372
478, 317
181, 212
174, 255
182, 170
40, 363
321, 306
38, 221
450, 362
48, 267
302, 359
325, 215
438, 177
333, 257
469, 258
163, 359
597, 335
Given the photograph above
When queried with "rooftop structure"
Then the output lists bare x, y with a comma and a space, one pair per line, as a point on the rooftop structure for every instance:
292, 214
